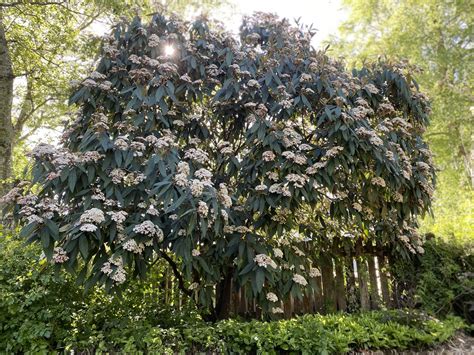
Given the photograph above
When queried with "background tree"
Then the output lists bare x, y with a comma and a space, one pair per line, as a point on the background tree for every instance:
437, 36
202, 151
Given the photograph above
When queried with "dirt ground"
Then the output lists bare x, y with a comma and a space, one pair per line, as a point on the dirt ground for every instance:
461, 344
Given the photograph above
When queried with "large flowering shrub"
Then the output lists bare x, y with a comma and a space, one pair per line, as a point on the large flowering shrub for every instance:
229, 159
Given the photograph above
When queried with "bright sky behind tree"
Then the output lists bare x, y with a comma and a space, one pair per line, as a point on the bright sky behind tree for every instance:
325, 15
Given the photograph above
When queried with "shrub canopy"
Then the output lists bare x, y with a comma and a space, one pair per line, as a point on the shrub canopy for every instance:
233, 159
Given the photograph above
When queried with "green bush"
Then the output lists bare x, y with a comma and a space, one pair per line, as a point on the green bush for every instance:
44, 310
440, 281
36, 304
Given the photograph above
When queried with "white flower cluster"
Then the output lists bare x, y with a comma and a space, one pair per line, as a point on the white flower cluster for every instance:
152, 211
59, 255
150, 229
153, 40
196, 154
119, 217
299, 280
280, 189
88, 227
168, 140
277, 310
314, 272
371, 88
295, 157
134, 247
93, 215
121, 143
272, 297
378, 181
272, 175
181, 178
264, 260
334, 151
195, 252
291, 137
298, 180
119, 274
223, 195
252, 83
197, 187
268, 155
305, 78
278, 252
261, 187
397, 197
117, 175
138, 148
225, 148
370, 134
91, 156
203, 174
357, 206
202, 209
281, 215
313, 169
133, 178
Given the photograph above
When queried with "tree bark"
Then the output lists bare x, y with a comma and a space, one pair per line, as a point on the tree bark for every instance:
352, 291
384, 283
6, 100
223, 296
374, 289
363, 283
340, 287
329, 292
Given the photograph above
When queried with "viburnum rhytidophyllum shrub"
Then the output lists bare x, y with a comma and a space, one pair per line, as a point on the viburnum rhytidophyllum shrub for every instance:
205, 150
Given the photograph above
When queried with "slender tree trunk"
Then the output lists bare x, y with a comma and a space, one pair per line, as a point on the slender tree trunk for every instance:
223, 296
374, 289
318, 296
363, 283
329, 292
6, 100
384, 283
340, 287
351, 287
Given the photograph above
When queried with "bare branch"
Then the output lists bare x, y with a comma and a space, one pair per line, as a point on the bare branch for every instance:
178, 276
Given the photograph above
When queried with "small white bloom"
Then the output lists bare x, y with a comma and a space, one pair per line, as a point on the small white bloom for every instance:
272, 297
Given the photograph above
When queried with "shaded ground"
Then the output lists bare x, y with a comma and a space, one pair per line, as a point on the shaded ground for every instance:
460, 344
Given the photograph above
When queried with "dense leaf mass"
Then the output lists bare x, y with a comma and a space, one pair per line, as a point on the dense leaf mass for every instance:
229, 158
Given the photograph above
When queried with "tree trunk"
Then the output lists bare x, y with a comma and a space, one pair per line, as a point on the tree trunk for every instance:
363, 283
351, 288
340, 286
318, 296
384, 283
6, 100
329, 292
374, 289
223, 296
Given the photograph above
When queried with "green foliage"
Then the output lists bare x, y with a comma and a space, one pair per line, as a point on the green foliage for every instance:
206, 157
436, 36
43, 309
440, 281
32, 317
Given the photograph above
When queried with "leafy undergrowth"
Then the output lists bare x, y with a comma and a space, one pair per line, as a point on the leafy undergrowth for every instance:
41, 310
309, 334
